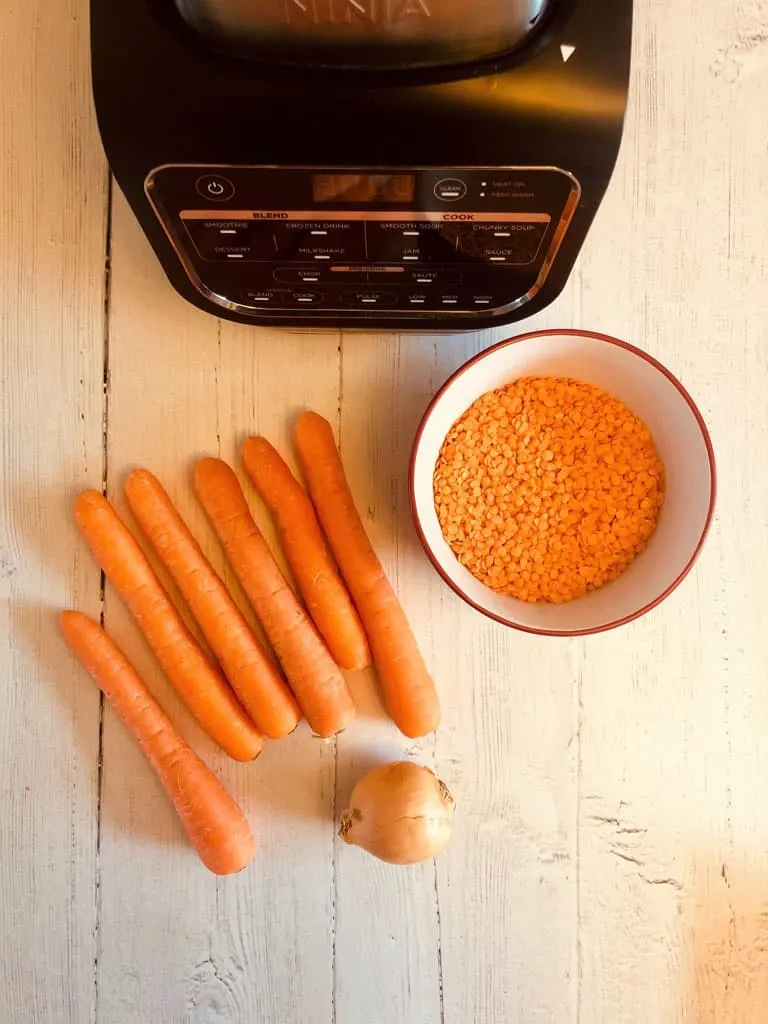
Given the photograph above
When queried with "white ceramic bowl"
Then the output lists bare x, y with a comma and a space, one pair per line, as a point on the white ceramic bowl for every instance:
681, 439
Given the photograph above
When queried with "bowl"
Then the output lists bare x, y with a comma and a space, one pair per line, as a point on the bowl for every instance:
682, 442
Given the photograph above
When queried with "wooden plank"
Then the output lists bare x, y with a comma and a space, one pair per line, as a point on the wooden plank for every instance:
387, 924
672, 818
504, 892
507, 884
52, 244
178, 944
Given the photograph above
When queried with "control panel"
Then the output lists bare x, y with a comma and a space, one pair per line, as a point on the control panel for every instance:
412, 242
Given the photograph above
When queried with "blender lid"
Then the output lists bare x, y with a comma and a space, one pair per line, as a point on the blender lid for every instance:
379, 34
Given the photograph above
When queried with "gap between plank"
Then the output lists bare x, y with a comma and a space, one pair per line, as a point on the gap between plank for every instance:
216, 375
102, 583
334, 885
438, 918
579, 767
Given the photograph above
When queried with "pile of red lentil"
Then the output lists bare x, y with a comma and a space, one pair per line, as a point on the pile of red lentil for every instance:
548, 488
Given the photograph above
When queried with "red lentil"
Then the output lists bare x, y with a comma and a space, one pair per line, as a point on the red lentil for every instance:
548, 488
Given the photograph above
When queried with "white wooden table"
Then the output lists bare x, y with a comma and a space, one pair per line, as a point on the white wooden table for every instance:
610, 862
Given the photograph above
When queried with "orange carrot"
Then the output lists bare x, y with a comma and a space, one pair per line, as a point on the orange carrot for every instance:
409, 692
318, 684
203, 689
323, 590
254, 677
216, 826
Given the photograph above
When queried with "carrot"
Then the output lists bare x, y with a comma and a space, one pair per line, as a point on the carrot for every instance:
317, 682
409, 692
323, 590
216, 826
201, 686
253, 676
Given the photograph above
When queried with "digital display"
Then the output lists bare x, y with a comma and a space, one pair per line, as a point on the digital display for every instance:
363, 188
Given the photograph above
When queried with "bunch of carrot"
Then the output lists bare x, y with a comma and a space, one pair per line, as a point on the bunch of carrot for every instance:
349, 616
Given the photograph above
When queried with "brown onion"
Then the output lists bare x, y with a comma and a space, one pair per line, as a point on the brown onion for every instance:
401, 813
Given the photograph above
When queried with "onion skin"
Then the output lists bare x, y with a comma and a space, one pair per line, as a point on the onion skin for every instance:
401, 813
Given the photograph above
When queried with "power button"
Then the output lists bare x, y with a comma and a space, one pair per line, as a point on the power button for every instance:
214, 186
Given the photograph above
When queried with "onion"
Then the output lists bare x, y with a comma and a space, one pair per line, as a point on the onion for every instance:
401, 813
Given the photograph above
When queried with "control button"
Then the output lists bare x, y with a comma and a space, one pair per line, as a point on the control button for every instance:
320, 275
516, 242
214, 186
320, 241
368, 297
258, 297
450, 189
291, 276
433, 242
405, 275
306, 298
230, 252
226, 230
442, 277
230, 240
450, 300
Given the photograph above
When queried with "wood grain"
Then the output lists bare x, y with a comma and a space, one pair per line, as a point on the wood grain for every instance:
508, 749
179, 944
387, 916
672, 826
52, 238
504, 747
608, 865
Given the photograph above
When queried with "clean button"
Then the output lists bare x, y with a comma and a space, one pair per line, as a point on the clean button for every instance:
450, 189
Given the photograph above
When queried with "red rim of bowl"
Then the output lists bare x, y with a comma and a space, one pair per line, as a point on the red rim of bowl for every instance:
712, 483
